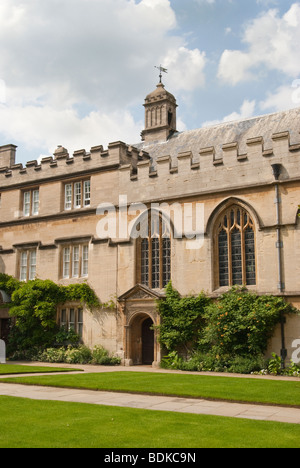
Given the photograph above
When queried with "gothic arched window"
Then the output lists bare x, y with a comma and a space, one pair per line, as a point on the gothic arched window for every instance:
236, 248
154, 252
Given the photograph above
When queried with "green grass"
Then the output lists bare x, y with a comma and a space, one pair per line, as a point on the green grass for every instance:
23, 369
48, 424
276, 392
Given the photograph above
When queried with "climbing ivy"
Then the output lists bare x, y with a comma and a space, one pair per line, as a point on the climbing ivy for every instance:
237, 324
181, 320
33, 307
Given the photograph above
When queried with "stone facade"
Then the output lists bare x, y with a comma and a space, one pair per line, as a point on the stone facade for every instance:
50, 220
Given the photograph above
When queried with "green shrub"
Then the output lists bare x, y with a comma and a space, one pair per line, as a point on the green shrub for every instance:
241, 323
230, 334
100, 356
172, 361
53, 355
66, 337
181, 320
246, 364
33, 307
77, 355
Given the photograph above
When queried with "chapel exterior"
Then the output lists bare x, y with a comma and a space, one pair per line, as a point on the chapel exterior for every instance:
207, 209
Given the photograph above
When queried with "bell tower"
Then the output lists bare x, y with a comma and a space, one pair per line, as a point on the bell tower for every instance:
160, 115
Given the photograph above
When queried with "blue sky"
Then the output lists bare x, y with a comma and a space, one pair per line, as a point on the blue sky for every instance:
76, 72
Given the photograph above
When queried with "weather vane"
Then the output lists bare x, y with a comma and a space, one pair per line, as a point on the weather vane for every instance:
162, 70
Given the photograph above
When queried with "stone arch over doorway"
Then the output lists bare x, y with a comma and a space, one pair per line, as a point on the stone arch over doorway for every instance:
139, 316
141, 339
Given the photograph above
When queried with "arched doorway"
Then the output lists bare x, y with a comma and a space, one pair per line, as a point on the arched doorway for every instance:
142, 340
139, 314
147, 342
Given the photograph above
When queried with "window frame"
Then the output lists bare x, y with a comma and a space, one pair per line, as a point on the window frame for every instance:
77, 194
156, 273
27, 267
235, 219
30, 203
71, 317
74, 261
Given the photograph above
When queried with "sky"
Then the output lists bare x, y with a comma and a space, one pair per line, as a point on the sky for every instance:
76, 72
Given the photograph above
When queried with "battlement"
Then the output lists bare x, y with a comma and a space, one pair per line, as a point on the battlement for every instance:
217, 156
226, 156
62, 164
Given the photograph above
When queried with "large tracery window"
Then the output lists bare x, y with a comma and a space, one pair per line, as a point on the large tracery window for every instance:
154, 252
236, 248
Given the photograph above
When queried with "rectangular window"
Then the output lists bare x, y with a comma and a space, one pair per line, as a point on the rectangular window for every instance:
26, 205
66, 262
23, 266
35, 202
63, 318
31, 203
68, 196
72, 319
32, 265
77, 195
80, 323
27, 265
75, 261
77, 198
87, 193
85, 260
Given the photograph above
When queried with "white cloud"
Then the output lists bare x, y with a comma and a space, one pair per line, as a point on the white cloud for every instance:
69, 66
273, 44
284, 97
246, 111
40, 127
186, 68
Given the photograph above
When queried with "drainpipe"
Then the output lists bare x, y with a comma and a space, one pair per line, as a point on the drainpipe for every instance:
279, 245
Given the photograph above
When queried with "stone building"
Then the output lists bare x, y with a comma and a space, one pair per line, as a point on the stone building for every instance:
207, 208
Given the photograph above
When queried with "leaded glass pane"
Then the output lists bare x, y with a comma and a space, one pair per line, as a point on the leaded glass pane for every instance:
223, 259
32, 265
236, 257
145, 262
155, 263
166, 261
250, 257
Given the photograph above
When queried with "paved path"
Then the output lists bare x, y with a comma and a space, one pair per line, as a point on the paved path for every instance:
160, 403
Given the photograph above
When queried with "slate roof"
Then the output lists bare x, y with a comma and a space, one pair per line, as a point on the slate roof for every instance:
230, 132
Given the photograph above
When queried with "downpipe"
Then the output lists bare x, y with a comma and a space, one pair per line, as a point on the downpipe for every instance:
279, 245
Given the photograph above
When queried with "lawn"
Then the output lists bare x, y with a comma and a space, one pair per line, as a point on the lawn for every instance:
277, 392
49, 424
23, 369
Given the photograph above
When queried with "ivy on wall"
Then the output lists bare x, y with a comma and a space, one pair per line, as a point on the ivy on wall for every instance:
33, 307
182, 318
238, 323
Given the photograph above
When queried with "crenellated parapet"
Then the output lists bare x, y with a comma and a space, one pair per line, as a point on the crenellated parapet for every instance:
61, 164
249, 156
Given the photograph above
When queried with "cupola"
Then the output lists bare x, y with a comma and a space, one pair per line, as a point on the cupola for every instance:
160, 115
